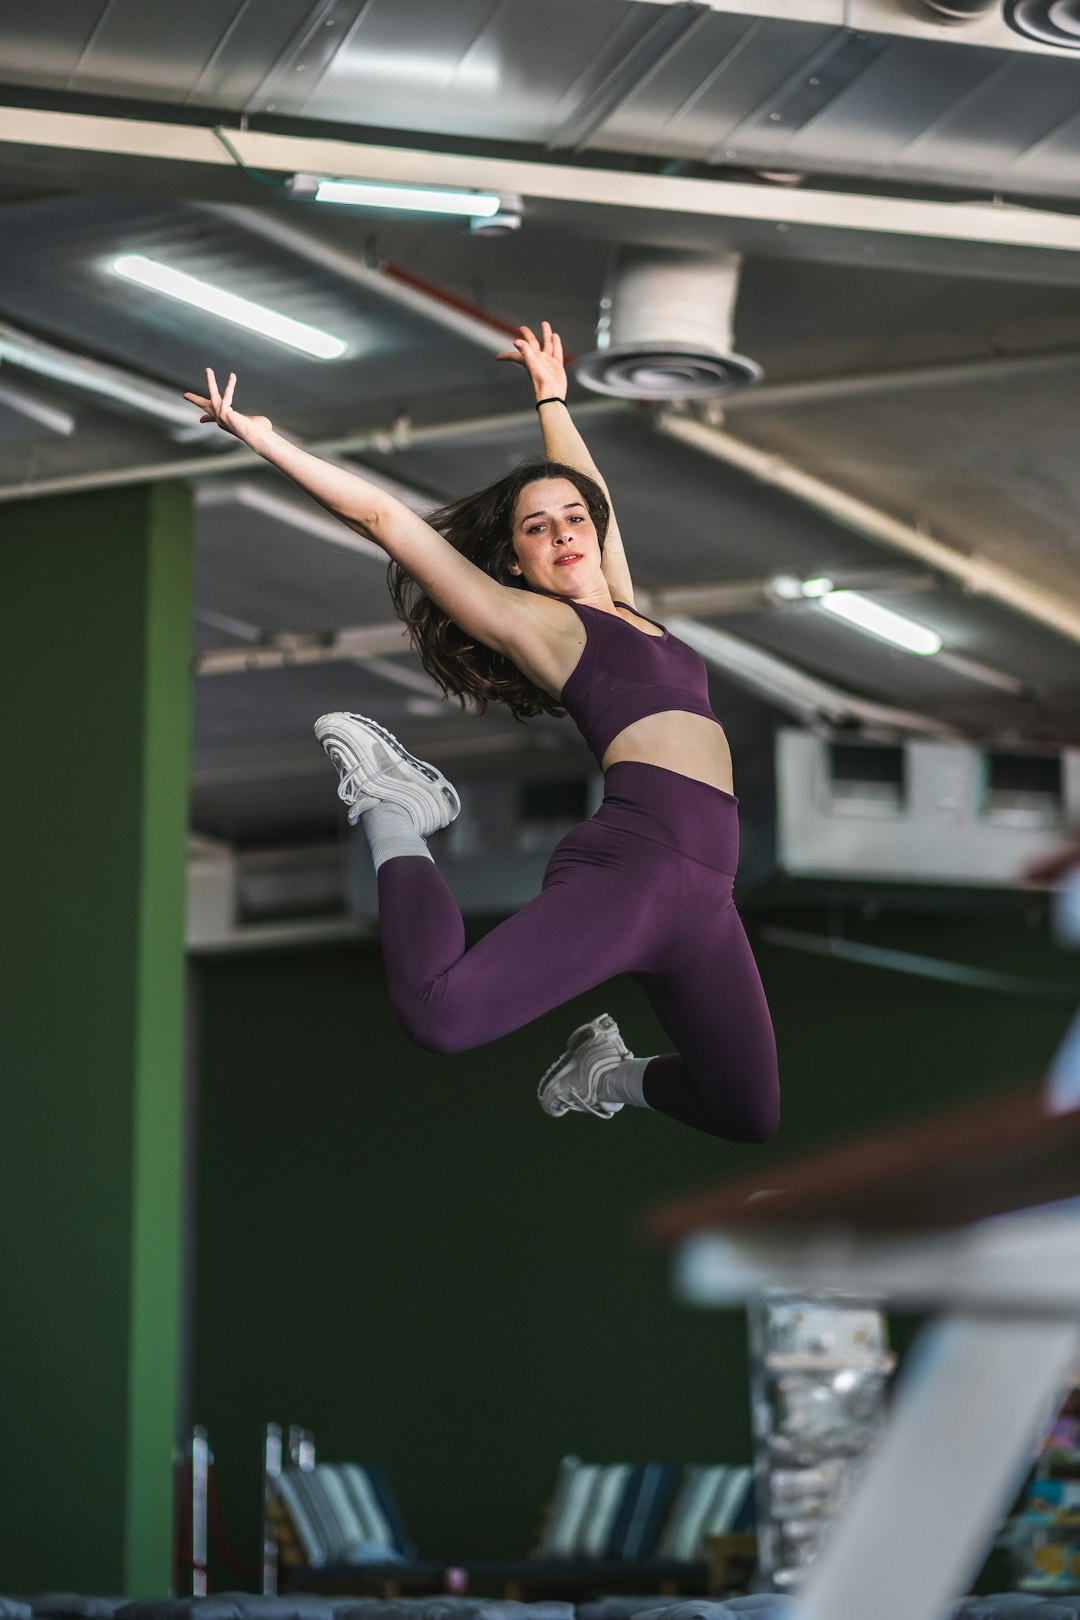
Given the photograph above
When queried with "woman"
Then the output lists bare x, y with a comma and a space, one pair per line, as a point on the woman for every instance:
525, 598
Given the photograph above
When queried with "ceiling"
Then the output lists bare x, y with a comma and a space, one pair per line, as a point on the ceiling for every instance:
922, 366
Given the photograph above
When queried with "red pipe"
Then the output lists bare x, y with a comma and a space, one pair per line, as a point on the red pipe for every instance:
409, 278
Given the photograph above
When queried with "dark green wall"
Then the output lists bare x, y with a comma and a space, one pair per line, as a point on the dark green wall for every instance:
400, 1251
94, 673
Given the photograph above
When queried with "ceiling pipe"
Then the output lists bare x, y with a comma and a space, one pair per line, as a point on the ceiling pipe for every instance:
959, 10
313, 521
810, 700
662, 42
433, 746
387, 281
290, 651
746, 595
112, 384
383, 441
307, 517
365, 641
813, 701
35, 410
665, 328
898, 379
975, 574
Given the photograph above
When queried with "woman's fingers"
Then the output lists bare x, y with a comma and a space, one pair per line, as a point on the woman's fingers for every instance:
230, 389
213, 390
197, 399
530, 335
556, 347
511, 354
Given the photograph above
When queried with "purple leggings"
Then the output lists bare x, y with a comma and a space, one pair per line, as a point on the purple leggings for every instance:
643, 888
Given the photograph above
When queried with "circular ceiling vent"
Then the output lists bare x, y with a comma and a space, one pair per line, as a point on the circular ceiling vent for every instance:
665, 329
960, 10
1051, 22
670, 371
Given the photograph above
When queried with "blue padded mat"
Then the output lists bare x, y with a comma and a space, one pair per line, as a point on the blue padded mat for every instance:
77, 1606
455, 1608
231, 1606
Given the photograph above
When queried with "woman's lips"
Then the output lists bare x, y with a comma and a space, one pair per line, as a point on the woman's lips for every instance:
561, 562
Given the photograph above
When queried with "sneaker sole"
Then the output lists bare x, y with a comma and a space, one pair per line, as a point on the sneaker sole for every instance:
330, 735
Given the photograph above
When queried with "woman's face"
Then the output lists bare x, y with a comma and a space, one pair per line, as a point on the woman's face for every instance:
555, 539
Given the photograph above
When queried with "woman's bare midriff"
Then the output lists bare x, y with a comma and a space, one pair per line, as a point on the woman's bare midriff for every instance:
690, 744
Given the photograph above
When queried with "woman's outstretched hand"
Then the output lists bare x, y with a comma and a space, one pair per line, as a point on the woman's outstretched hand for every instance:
218, 407
542, 358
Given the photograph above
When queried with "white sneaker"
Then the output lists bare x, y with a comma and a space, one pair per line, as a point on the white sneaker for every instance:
573, 1081
375, 769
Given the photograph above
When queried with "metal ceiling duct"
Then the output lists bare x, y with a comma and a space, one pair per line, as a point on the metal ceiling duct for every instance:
1051, 22
1048, 22
665, 329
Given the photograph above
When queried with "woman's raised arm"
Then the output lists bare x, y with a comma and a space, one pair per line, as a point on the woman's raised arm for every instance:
543, 359
478, 604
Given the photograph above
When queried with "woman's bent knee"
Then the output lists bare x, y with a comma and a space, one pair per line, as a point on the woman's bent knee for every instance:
434, 1027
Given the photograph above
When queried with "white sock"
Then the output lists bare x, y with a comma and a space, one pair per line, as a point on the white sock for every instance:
390, 832
622, 1083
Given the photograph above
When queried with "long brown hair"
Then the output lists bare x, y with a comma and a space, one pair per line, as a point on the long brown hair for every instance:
481, 527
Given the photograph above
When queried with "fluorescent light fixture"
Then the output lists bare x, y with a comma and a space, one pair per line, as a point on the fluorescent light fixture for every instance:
786, 586
881, 622
367, 194
240, 311
790, 588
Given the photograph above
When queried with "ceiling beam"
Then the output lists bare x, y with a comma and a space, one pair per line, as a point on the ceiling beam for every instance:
36, 410
488, 336
383, 441
306, 516
437, 745
598, 189
113, 385
993, 369
262, 650
976, 574
288, 651
809, 699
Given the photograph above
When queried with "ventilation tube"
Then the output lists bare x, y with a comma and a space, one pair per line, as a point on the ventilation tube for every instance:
959, 10
665, 329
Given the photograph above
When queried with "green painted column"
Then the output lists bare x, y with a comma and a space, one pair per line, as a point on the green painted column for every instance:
95, 629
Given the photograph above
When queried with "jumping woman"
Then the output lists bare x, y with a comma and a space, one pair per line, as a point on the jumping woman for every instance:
521, 594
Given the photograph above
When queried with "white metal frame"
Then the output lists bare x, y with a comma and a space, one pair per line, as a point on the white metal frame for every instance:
597, 188
979, 575
981, 1387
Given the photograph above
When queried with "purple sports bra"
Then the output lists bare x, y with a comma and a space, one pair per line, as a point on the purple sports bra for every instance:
624, 674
